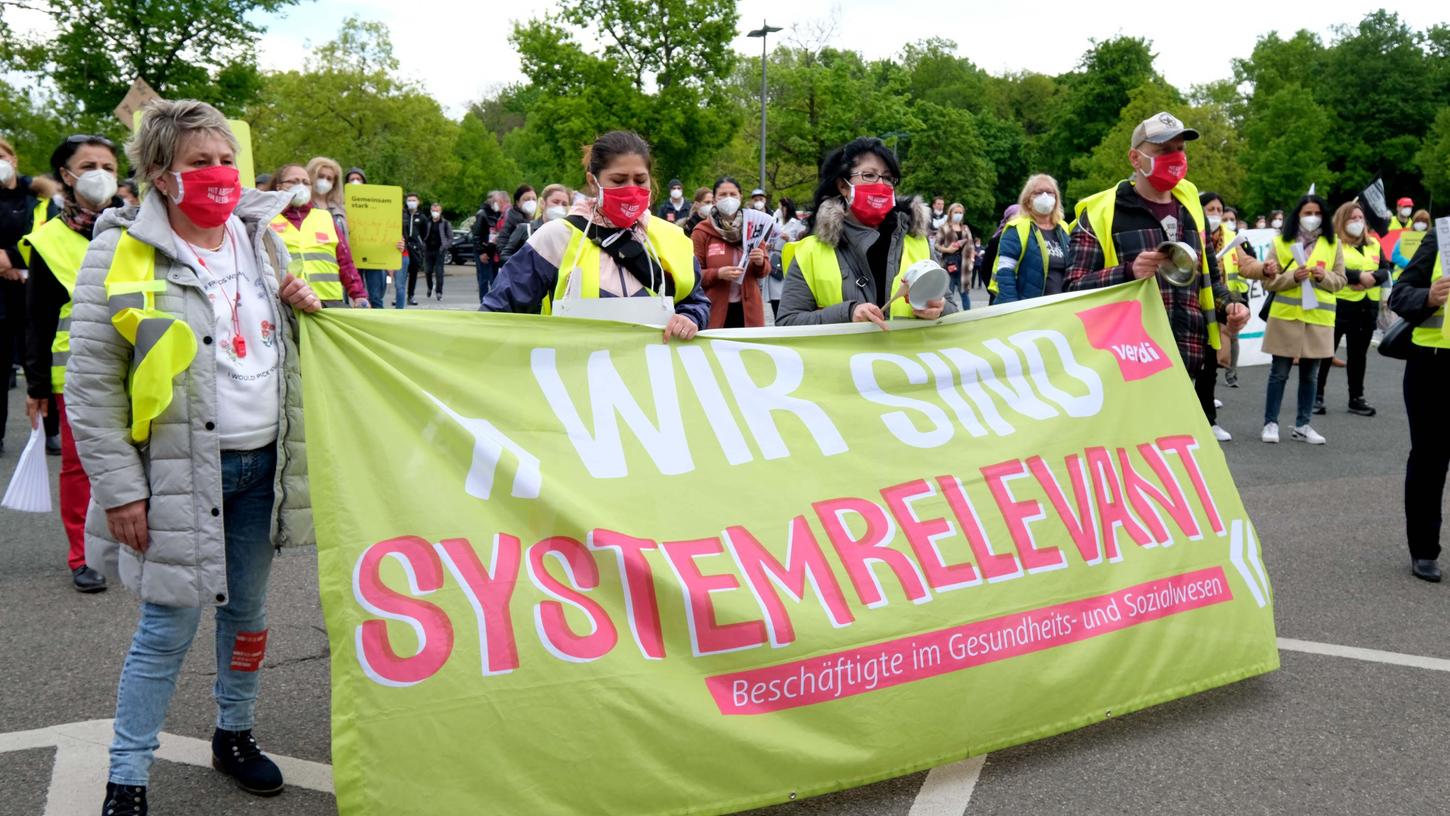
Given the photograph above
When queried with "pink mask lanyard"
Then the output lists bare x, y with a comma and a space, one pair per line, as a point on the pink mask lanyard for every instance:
238, 342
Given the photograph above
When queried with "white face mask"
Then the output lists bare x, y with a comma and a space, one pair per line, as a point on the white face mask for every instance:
96, 187
529, 208
705, 210
7, 171
727, 206
1230, 225
1354, 228
555, 212
437, 214
1405, 212
301, 194
1042, 203
759, 205
356, 181
1421, 226
412, 205
956, 218
1214, 221
1309, 223
1277, 223
323, 185
676, 194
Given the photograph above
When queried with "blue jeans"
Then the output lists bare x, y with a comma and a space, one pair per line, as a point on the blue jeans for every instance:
400, 286
1308, 384
486, 270
376, 281
164, 633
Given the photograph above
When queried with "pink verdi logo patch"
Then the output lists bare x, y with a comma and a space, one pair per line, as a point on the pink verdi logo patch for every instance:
1117, 328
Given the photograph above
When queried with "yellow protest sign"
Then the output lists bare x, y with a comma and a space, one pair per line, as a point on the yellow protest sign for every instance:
374, 224
245, 168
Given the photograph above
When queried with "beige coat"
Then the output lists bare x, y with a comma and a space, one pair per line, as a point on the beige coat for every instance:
1295, 338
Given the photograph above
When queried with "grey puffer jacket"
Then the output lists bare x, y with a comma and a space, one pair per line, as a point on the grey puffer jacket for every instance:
179, 468
798, 305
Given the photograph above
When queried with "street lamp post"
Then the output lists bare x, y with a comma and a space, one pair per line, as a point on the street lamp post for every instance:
765, 29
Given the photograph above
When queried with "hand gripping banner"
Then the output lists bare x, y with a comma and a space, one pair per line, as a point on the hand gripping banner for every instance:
577, 570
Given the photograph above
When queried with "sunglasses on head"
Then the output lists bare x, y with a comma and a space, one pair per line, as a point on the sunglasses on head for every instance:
82, 138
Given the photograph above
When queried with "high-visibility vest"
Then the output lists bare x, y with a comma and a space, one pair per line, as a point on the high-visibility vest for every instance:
1024, 226
1357, 260
1289, 304
787, 254
1100, 209
63, 250
37, 220
163, 344
1232, 276
313, 251
822, 271
1431, 333
1397, 224
667, 243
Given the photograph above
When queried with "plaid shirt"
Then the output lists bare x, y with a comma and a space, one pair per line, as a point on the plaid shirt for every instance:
1136, 230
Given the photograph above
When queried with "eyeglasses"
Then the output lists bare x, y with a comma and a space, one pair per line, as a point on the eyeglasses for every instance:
872, 177
81, 138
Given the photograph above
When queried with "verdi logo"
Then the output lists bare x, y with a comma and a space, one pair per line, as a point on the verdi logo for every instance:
1117, 328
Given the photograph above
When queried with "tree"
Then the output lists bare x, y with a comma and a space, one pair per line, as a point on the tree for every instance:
1107, 163
1285, 152
945, 156
672, 42
347, 104
191, 48
1434, 158
1096, 94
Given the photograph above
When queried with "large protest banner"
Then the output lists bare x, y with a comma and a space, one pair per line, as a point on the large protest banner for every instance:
571, 569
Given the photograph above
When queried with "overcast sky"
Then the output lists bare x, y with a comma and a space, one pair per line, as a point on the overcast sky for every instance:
459, 49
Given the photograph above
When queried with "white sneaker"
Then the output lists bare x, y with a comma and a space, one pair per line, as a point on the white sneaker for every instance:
1304, 433
1217, 403
1271, 432
1221, 435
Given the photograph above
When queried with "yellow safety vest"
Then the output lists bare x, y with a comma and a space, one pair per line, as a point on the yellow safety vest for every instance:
1409, 242
1289, 304
37, 220
1357, 260
667, 242
313, 251
1100, 209
1023, 224
1431, 333
63, 250
1397, 224
1232, 277
822, 271
164, 345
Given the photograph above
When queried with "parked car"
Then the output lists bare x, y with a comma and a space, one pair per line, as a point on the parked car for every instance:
463, 252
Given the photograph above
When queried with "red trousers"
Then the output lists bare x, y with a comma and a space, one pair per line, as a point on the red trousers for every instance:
75, 491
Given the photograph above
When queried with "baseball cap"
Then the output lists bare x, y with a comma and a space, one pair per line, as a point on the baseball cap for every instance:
757, 192
1159, 128
1405, 202
675, 183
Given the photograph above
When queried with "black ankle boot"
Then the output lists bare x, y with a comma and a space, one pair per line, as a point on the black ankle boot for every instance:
124, 800
235, 753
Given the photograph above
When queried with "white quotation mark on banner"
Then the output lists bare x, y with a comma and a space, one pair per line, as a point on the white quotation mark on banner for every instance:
1243, 551
489, 445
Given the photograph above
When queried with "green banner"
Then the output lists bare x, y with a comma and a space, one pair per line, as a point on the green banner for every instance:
568, 568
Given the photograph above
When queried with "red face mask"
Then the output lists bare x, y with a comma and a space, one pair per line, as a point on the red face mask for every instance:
623, 205
1167, 170
871, 202
208, 195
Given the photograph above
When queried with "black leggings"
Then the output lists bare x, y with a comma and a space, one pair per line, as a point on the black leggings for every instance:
1426, 373
1355, 320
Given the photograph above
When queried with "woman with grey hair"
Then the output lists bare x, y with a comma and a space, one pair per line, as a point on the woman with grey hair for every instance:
184, 394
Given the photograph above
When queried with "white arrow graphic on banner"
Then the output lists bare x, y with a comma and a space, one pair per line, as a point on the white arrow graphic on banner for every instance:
1243, 551
489, 445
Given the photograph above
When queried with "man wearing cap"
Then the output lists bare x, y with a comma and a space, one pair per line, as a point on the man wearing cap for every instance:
675, 209
757, 199
1119, 231
1404, 208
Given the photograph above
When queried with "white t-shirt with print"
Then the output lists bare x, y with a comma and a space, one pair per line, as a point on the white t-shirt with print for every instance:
246, 383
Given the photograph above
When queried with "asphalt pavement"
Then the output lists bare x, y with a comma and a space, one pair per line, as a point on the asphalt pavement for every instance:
1326, 734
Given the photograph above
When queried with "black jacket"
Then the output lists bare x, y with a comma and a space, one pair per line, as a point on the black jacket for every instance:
17, 214
415, 230
1410, 296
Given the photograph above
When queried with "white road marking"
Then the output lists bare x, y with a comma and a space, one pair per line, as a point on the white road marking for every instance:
82, 759
948, 788
1371, 655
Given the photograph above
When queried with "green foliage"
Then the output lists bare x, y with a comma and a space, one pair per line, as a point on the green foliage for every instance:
946, 156
1095, 97
1286, 133
1107, 163
1434, 158
201, 49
